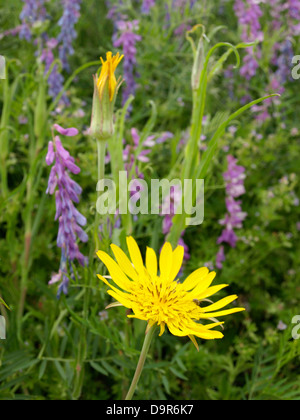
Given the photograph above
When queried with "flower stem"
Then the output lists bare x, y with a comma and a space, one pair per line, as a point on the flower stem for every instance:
141, 362
101, 148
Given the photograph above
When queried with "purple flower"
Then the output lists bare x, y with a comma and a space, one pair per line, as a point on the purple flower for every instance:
70, 132
70, 220
248, 13
11, 32
55, 79
294, 11
282, 58
285, 18
67, 35
248, 70
129, 152
220, 258
32, 12
127, 40
234, 178
147, 6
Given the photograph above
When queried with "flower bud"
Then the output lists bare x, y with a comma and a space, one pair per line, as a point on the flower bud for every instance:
199, 57
198, 65
105, 92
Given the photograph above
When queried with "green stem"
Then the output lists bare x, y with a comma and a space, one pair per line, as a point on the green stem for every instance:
115, 147
101, 149
79, 368
141, 362
4, 137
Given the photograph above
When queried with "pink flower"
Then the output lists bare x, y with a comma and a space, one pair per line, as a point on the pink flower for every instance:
70, 132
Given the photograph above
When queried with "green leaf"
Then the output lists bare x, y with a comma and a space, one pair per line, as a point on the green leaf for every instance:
178, 374
166, 384
98, 368
3, 303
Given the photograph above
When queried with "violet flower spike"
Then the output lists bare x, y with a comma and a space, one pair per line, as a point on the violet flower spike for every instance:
126, 40
249, 14
32, 12
68, 33
147, 6
55, 79
234, 178
67, 192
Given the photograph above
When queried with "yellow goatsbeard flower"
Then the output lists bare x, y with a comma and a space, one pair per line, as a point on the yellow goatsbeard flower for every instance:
159, 298
107, 75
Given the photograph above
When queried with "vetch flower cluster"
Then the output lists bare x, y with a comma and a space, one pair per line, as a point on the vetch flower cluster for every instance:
147, 6
11, 32
67, 35
129, 153
234, 178
55, 79
32, 12
70, 219
249, 13
126, 40
158, 298
294, 13
284, 17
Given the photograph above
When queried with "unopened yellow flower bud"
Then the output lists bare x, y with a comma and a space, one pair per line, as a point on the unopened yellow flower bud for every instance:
106, 87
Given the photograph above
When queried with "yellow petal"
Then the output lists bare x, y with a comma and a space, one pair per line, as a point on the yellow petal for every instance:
162, 328
193, 279
115, 271
203, 285
178, 254
213, 325
142, 318
151, 262
221, 313
211, 291
165, 260
135, 254
107, 75
220, 304
198, 331
114, 289
206, 333
120, 298
124, 262
107, 282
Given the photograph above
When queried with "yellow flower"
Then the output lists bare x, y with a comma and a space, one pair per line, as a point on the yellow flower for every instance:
159, 298
106, 87
107, 76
